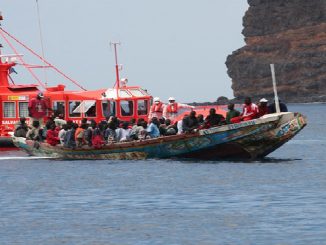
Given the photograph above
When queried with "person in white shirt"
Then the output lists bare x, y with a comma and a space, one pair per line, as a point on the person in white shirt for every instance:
123, 133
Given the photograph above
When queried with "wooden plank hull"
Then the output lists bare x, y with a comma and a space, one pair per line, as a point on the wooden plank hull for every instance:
250, 139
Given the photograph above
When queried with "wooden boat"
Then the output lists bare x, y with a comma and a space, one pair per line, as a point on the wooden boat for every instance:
247, 140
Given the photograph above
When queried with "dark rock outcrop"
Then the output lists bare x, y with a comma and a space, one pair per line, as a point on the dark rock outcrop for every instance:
292, 35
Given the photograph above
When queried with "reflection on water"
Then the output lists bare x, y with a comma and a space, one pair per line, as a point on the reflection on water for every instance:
277, 200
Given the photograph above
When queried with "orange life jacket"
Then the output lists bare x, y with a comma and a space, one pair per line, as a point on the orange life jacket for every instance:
157, 107
172, 108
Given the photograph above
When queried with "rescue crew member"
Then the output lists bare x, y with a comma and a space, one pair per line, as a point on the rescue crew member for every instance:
249, 112
171, 110
156, 109
37, 109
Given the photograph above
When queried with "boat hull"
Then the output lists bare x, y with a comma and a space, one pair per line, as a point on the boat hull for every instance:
245, 140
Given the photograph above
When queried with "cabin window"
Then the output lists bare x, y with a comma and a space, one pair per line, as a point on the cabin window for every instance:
124, 93
91, 110
108, 108
142, 107
59, 108
73, 105
23, 109
127, 107
136, 92
9, 109
86, 107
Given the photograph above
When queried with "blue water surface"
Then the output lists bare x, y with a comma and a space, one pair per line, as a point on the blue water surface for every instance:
279, 200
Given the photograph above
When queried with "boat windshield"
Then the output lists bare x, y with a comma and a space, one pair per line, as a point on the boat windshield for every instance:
84, 106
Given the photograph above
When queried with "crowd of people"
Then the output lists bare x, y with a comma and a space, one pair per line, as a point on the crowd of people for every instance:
90, 133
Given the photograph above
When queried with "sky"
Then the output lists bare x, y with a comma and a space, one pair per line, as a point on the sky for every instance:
171, 48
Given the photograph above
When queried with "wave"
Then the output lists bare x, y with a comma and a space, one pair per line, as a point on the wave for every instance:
300, 142
22, 158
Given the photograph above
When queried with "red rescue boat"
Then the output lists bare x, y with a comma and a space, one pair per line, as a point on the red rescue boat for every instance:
123, 101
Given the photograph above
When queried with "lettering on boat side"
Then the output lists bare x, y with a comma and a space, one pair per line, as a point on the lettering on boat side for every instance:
230, 126
18, 97
240, 125
9, 122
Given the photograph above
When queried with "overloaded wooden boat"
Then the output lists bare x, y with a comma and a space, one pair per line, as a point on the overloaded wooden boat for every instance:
246, 140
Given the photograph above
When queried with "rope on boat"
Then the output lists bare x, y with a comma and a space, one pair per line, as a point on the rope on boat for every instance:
41, 38
40, 57
19, 57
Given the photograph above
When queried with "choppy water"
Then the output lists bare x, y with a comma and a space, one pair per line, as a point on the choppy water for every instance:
280, 200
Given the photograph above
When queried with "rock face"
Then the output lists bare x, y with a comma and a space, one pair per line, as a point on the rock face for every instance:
292, 35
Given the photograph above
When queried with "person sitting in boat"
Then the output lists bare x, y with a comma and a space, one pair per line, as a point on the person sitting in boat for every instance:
21, 128
89, 132
262, 107
123, 132
272, 107
153, 128
52, 135
179, 124
171, 110
34, 132
80, 135
232, 113
138, 131
167, 128
201, 121
62, 133
214, 119
37, 109
163, 126
113, 124
69, 140
59, 120
97, 138
249, 112
156, 109
190, 123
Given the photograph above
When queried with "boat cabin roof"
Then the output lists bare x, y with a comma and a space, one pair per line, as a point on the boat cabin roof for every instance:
125, 93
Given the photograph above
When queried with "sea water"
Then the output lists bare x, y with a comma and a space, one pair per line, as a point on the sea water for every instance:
278, 200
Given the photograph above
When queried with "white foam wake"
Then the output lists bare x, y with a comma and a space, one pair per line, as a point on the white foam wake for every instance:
22, 158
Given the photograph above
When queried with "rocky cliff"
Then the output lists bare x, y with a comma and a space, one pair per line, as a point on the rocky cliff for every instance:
292, 35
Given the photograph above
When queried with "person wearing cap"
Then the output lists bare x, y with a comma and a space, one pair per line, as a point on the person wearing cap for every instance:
262, 107
37, 109
171, 110
156, 109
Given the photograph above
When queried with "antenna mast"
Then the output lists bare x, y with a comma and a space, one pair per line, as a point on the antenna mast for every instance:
116, 63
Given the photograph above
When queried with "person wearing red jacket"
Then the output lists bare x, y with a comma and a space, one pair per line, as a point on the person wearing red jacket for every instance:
37, 109
52, 135
156, 109
249, 112
262, 107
